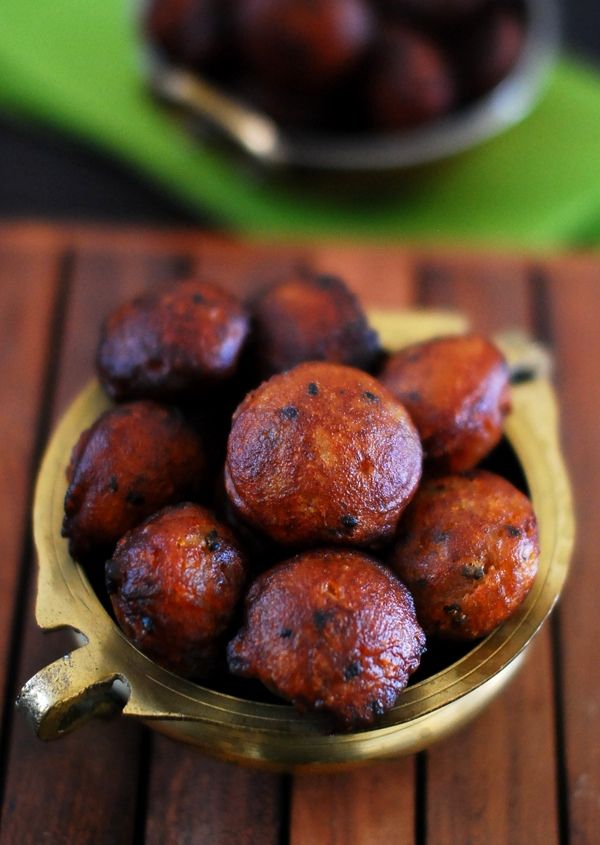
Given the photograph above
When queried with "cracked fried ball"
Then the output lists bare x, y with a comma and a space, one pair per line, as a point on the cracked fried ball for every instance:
457, 393
322, 454
468, 551
174, 583
169, 344
135, 459
330, 630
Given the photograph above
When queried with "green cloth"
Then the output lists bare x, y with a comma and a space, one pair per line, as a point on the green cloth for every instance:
76, 65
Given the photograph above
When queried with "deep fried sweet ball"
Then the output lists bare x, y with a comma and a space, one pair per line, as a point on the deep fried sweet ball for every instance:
134, 459
468, 551
303, 45
409, 82
322, 453
188, 31
172, 343
174, 583
311, 317
488, 49
456, 391
330, 630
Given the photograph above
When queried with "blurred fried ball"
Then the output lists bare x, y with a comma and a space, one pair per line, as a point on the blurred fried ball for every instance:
170, 344
310, 316
457, 393
409, 82
303, 46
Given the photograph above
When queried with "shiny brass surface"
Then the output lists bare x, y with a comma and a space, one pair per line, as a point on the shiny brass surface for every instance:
108, 674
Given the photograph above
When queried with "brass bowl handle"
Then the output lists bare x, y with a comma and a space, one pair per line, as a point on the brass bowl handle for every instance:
69, 692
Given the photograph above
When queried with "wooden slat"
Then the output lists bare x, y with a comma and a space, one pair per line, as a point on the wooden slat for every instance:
193, 799
371, 805
573, 301
487, 783
89, 779
28, 285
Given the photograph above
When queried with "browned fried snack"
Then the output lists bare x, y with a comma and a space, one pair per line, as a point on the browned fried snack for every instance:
322, 454
330, 630
174, 583
311, 317
304, 46
173, 343
133, 460
468, 551
409, 82
188, 31
487, 50
456, 391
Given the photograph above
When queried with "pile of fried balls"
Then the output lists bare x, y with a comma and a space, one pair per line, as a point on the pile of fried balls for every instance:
343, 65
274, 496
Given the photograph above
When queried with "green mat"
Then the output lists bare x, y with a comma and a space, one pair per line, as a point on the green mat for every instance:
75, 65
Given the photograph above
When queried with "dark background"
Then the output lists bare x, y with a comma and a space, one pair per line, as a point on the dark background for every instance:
44, 175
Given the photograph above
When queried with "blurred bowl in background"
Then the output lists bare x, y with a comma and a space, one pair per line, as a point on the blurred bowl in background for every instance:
214, 108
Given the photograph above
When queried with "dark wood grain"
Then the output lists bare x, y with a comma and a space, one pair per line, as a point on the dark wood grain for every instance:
573, 303
374, 804
486, 783
193, 799
90, 778
27, 294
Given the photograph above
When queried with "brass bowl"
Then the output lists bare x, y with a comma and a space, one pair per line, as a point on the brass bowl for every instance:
108, 674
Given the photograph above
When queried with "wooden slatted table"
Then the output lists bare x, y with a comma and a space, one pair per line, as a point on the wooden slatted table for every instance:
526, 771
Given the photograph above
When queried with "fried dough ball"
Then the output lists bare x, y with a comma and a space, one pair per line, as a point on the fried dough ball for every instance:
330, 630
166, 345
488, 49
322, 454
456, 391
188, 31
311, 317
409, 82
301, 45
468, 551
174, 583
135, 459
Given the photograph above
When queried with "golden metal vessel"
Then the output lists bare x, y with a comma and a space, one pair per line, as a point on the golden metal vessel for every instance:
108, 675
